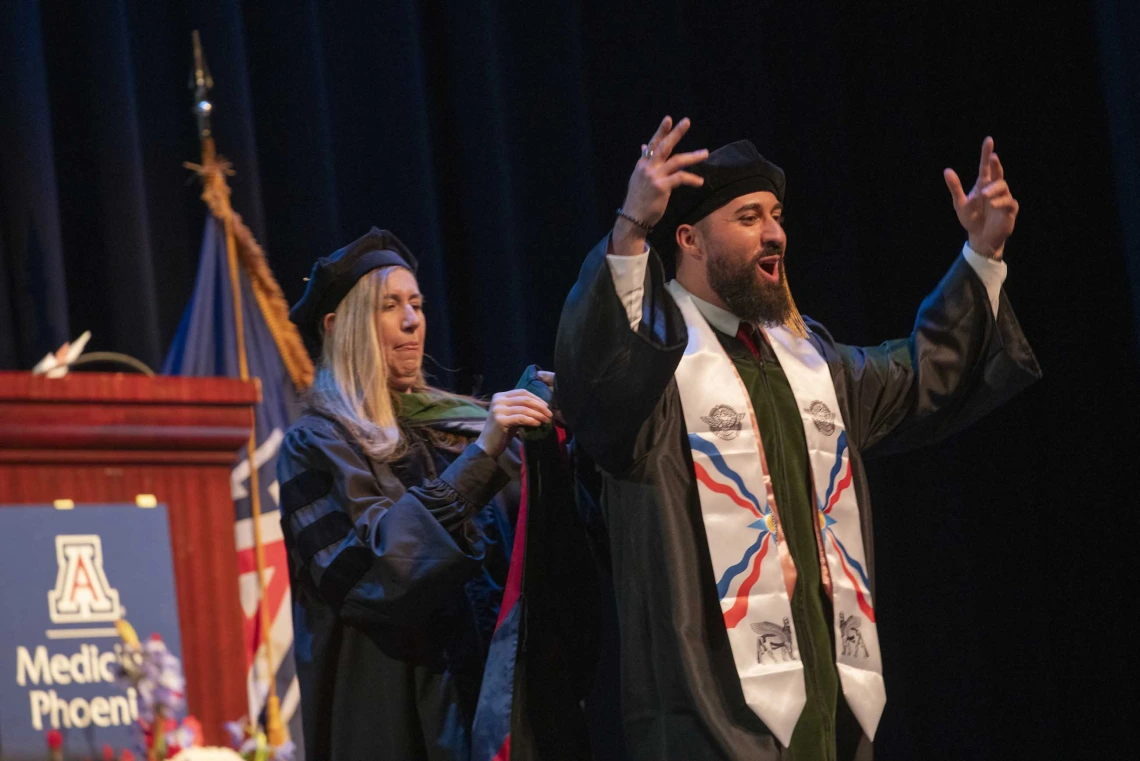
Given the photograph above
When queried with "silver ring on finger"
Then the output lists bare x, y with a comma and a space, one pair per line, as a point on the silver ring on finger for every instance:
647, 152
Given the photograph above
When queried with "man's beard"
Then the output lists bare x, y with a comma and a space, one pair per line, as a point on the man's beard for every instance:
747, 293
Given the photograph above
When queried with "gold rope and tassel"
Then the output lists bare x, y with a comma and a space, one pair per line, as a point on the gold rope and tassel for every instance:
270, 298
795, 322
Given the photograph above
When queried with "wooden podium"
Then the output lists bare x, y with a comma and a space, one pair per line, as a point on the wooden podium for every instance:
102, 437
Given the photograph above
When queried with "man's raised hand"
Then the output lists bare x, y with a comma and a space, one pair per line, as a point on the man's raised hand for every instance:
654, 176
989, 211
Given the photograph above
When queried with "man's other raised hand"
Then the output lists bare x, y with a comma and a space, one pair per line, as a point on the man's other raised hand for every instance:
989, 212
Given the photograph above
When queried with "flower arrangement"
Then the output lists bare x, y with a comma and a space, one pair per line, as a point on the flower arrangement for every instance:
252, 743
156, 675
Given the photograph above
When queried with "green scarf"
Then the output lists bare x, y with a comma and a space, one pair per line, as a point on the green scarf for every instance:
455, 414
440, 410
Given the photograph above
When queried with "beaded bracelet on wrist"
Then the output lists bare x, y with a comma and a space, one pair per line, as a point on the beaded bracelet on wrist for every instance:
634, 220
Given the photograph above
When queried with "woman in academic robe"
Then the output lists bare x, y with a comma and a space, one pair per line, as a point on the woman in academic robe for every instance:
397, 507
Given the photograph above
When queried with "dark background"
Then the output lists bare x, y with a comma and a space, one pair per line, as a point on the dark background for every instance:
496, 139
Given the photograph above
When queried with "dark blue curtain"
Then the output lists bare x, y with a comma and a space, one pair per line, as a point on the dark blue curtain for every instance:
496, 139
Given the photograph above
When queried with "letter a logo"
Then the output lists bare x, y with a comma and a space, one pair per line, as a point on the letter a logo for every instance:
82, 593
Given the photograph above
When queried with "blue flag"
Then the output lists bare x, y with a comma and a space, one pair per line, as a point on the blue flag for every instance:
206, 345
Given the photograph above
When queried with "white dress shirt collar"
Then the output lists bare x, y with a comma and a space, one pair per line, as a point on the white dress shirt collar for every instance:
721, 319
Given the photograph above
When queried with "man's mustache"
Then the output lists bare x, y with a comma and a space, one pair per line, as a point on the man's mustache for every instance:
768, 249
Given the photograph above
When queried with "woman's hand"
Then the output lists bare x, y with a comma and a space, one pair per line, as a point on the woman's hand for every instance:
510, 411
547, 377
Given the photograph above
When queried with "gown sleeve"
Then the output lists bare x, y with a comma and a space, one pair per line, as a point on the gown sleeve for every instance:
959, 363
378, 558
610, 377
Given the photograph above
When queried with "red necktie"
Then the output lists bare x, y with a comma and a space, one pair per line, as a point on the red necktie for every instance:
751, 337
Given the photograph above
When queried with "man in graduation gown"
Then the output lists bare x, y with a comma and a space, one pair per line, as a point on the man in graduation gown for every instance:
730, 434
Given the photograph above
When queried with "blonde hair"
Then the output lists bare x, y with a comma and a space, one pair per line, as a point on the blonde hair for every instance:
351, 380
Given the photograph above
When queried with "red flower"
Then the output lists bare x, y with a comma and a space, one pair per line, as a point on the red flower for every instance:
191, 723
54, 739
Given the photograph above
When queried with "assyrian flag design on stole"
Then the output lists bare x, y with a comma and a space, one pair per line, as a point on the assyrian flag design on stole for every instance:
754, 572
206, 345
491, 730
756, 538
839, 481
858, 659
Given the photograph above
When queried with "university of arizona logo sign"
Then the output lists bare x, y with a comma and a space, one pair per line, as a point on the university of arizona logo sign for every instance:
82, 593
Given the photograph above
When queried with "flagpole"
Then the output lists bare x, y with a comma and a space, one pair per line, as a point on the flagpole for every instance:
214, 176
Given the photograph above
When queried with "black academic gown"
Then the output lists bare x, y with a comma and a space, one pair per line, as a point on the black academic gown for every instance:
680, 695
398, 570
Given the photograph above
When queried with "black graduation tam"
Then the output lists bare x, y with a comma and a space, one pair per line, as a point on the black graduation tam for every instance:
731, 171
334, 275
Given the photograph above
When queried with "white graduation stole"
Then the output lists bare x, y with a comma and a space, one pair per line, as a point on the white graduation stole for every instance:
750, 560
858, 660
